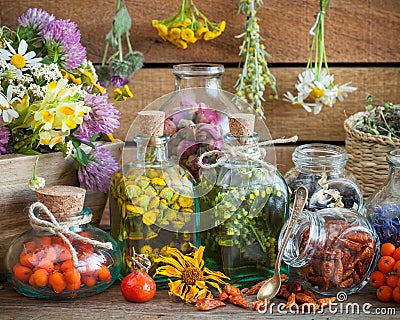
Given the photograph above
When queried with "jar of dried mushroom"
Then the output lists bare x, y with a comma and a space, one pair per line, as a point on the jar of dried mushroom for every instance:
321, 169
244, 206
152, 200
333, 249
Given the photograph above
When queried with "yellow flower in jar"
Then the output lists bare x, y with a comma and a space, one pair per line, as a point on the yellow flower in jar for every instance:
158, 182
192, 276
150, 217
185, 201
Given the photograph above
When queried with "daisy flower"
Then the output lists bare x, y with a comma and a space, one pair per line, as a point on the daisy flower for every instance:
20, 59
7, 112
192, 277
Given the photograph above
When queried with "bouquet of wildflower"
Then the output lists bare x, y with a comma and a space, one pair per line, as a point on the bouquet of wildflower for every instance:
315, 86
50, 99
116, 66
188, 25
255, 74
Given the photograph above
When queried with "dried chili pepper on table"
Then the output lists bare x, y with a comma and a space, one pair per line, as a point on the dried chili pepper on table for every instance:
208, 304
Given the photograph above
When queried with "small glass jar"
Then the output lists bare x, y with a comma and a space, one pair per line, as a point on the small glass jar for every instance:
383, 207
244, 206
153, 205
39, 264
332, 250
321, 169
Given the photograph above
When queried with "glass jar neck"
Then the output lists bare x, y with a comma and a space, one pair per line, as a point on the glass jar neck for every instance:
393, 158
152, 149
198, 75
304, 239
319, 157
248, 144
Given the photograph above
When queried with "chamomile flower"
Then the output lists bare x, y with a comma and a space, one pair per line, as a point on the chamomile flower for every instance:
7, 112
20, 59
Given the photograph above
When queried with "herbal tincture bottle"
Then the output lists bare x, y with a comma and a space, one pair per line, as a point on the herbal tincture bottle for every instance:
244, 206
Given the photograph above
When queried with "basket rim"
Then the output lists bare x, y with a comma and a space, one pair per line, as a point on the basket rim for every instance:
365, 136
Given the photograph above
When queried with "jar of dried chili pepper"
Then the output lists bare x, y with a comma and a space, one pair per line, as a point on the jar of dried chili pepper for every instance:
321, 169
332, 250
383, 207
153, 204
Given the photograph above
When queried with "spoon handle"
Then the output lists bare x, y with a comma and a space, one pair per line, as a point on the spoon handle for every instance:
300, 200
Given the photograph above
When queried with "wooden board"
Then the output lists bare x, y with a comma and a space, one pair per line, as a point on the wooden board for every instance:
283, 119
110, 304
356, 31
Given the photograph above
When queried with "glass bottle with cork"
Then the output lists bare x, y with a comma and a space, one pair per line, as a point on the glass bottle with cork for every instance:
62, 256
152, 199
244, 205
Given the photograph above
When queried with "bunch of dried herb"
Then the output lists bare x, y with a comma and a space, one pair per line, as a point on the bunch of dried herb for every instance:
380, 120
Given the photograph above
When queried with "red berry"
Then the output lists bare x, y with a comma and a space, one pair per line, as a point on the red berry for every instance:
138, 286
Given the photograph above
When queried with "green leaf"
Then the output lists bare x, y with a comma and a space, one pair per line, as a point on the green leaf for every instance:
122, 22
81, 156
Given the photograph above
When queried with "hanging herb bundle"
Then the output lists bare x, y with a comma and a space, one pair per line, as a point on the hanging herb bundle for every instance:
255, 75
315, 86
116, 66
188, 25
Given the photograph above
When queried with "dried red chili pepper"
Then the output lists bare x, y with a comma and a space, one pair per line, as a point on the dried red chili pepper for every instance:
232, 290
239, 301
260, 305
223, 296
208, 304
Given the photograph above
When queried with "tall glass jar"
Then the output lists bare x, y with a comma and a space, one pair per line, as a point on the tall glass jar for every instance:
196, 114
383, 207
321, 169
244, 206
332, 250
152, 203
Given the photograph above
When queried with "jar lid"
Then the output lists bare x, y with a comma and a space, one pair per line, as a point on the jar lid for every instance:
62, 201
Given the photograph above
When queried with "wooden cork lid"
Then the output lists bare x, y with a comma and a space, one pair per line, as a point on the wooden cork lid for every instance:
62, 201
151, 123
241, 124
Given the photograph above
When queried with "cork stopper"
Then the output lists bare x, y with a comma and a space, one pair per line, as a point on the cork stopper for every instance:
241, 124
62, 201
151, 123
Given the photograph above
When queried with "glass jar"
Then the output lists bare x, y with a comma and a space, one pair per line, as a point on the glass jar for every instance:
39, 264
332, 250
152, 204
383, 207
244, 206
321, 169
196, 114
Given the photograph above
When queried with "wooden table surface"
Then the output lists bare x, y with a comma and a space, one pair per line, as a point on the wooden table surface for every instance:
110, 304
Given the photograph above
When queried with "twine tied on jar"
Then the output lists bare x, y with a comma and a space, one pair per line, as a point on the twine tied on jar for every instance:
62, 229
230, 152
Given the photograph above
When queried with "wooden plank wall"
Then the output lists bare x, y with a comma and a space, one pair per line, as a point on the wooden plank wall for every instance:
362, 45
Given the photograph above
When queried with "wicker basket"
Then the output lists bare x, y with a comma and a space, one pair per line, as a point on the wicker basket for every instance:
367, 155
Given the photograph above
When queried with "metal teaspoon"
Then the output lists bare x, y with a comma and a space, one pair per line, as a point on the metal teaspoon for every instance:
271, 287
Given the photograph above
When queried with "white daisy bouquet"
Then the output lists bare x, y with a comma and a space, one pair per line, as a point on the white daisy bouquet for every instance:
315, 87
50, 99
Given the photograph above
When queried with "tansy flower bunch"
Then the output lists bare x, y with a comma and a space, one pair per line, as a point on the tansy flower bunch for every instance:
315, 86
255, 76
188, 25
50, 99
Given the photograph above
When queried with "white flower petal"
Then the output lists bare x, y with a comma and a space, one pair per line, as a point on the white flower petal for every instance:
29, 55
5, 55
23, 46
10, 48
